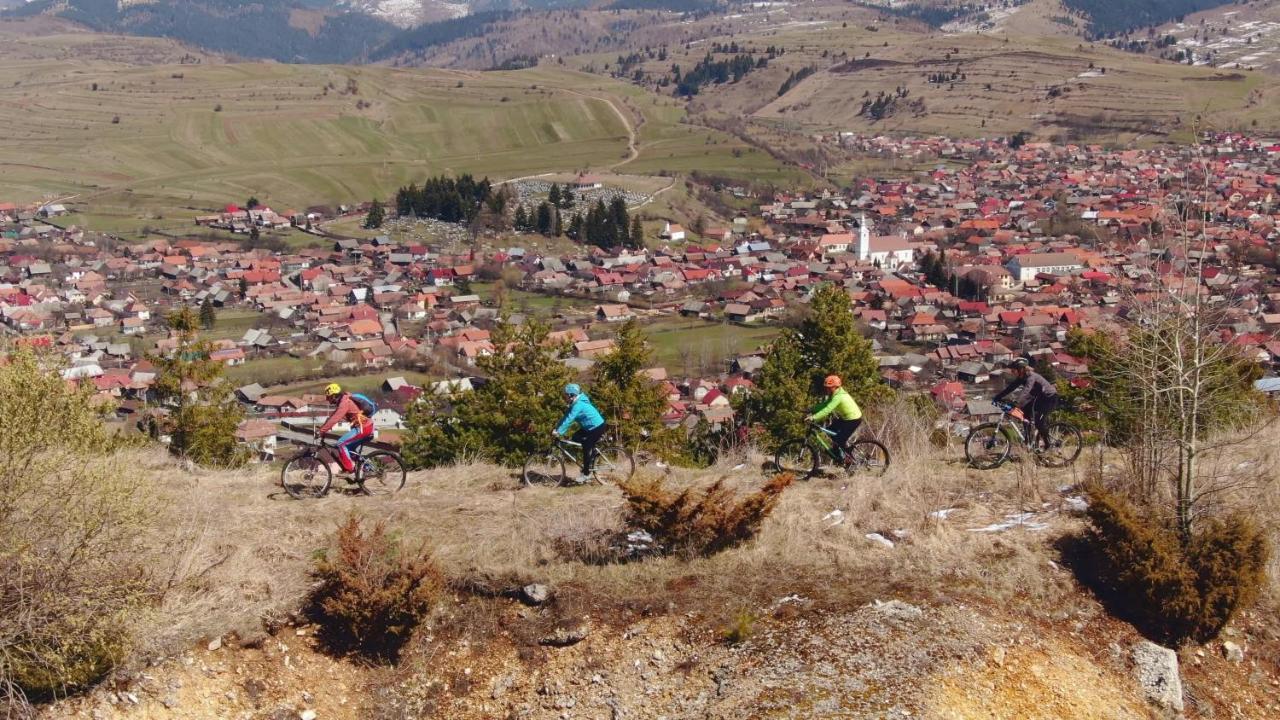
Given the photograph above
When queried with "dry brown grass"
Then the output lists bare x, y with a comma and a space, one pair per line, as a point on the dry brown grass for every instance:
244, 548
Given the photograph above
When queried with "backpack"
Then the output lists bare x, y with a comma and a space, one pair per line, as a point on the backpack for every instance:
367, 406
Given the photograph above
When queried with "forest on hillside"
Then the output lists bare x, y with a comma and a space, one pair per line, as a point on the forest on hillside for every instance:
1111, 17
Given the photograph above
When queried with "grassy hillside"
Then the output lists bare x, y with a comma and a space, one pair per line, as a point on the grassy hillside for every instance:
1002, 84
168, 140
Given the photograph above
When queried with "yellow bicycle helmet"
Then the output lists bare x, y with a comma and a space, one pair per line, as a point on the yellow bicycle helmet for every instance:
332, 389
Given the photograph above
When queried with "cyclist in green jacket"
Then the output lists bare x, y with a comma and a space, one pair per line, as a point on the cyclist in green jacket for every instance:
848, 416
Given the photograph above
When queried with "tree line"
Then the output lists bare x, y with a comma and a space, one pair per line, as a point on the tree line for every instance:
445, 198
712, 71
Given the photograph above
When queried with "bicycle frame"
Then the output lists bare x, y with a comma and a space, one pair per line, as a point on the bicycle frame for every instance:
566, 447
1017, 425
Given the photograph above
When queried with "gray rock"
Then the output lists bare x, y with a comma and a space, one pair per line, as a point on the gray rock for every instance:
898, 610
1232, 652
215, 643
1156, 669
535, 593
169, 702
563, 637
307, 715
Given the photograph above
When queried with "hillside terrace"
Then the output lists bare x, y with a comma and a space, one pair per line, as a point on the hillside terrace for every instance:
1038, 240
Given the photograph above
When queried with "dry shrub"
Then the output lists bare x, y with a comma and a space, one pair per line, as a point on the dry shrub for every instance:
740, 627
72, 517
1172, 591
703, 522
372, 595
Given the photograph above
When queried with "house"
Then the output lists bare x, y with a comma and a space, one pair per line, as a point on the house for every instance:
228, 356
259, 435
1025, 267
614, 313
740, 312
588, 182
673, 232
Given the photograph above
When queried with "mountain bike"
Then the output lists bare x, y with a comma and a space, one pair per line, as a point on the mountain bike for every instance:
806, 456
989, 445
307, 474
547, 466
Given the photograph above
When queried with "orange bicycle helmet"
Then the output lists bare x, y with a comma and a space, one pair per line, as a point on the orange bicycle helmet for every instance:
832, 381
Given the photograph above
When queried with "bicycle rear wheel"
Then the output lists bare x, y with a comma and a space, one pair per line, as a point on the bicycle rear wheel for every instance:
798, 458
306, 476
986, 447
613, 464
1065, 444
543, 467
382, 473
869, 457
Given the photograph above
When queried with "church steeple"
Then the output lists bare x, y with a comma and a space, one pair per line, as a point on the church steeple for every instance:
864, 238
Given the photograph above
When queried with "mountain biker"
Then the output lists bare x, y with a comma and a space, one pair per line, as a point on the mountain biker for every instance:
1038, 399
352, 407
591, 426
848, 416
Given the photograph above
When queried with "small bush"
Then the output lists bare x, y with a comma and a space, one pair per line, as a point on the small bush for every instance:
371, 595
740, 628
1172, 591
700, 522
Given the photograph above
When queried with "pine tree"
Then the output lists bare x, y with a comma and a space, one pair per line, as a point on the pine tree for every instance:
208, 316
204, 415
630, 401
254, 235
544, 222
620, 221
376, 215
521, 219
503, 420
554, 196
637, 233
830, 344
559, 224
780, 399
575, 227
244, 288
566, 198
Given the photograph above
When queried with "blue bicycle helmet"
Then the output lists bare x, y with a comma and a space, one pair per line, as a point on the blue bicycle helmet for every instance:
572, 389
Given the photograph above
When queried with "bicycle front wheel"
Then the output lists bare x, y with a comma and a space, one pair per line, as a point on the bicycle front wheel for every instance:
613, 464
987, 446
868, 457
382, 473
543, 467
306, 476
798, 458
1065, 444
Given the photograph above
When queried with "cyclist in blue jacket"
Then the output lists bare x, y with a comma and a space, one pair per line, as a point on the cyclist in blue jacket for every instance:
591, 426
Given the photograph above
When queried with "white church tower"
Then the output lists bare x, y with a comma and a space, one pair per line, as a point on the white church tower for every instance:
864, 239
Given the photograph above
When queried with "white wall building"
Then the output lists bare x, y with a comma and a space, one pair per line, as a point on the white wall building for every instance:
1026, 267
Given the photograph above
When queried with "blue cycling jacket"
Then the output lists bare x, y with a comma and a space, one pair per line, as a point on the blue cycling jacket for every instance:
583, 413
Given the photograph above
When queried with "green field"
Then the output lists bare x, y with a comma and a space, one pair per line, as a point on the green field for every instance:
693, 347
156, 145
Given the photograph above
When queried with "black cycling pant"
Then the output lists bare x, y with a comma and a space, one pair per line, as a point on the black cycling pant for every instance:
843, 429
1038, 411
588, 439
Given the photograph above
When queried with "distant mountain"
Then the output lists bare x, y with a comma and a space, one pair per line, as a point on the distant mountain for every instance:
296, 31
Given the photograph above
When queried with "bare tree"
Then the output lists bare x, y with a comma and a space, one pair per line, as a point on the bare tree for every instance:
1177, 392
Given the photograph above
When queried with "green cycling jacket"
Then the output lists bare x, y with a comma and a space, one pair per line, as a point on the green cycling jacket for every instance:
841, 404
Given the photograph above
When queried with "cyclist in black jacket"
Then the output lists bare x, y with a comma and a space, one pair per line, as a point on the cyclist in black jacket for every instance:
1037, 400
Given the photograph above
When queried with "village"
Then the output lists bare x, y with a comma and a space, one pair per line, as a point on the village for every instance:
1001, 251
